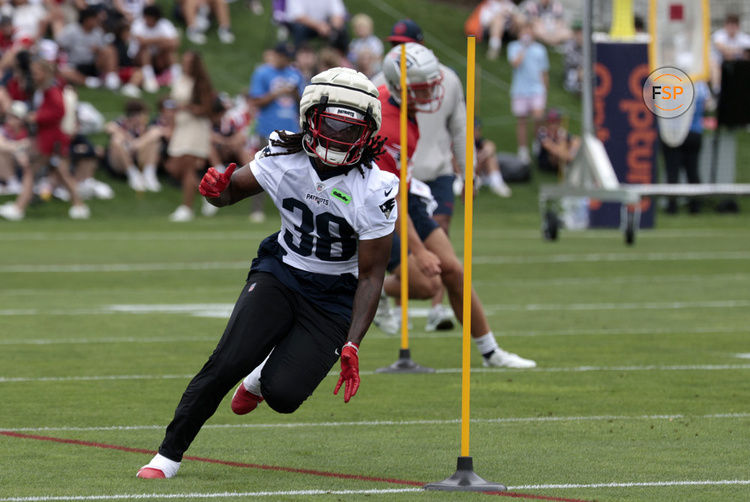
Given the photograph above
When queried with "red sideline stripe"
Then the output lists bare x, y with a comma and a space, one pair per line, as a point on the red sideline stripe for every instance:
295, 470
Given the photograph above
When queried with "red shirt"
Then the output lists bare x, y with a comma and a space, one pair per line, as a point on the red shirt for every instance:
390, 129
49, 115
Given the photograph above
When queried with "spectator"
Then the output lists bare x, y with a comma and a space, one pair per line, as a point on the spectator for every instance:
14, 145
685, 156
275, 89
30, 21
85, 158
557, 147
154, 46
497, 19
129, 72
306, 62
729, 43
130, 10
134, 147
325, 19
573, 52
89, 55
547, 20
51, 146
365, 50
196, 18
190, 145
229, 140
488, 168
330, 57
528, 90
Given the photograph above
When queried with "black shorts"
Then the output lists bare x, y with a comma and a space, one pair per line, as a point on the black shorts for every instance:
442, 190
306, 343
88, 69
423, 222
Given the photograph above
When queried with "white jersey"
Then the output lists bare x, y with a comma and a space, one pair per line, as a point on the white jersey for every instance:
323, 220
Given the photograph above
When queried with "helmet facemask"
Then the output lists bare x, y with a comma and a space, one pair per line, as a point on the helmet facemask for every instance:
337, 135
426, 97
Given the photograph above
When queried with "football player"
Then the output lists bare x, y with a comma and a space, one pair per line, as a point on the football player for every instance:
428, 242
313, 289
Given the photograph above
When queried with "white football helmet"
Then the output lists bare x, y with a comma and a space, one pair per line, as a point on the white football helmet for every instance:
424, 79
339, 113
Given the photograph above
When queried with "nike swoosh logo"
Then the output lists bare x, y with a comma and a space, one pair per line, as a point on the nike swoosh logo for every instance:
388, 192
336, 351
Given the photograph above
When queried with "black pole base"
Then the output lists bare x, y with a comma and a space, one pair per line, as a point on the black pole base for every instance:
405, 365
465, 480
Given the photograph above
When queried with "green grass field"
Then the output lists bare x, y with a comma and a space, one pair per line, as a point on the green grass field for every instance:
103, 322
641, 392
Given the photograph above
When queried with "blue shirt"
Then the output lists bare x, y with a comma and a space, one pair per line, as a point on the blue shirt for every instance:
699, 102
283, 112
528, 79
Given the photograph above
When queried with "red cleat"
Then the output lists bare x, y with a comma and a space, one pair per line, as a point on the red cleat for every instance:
243, 401
150, 473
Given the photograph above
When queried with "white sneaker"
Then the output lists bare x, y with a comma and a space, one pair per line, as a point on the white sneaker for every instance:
61, 193
151, 183
501, 359
384, 318
439, 318
150, 85
131, 91
523, 155
501, 190
257, 217
181, 214
208, 209
11, 212
136, 181
195, 36
12, 187
226, 36
101, 190
112, 81
93, 82
80, 212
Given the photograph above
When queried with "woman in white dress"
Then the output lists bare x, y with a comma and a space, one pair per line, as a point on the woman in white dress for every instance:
190, 145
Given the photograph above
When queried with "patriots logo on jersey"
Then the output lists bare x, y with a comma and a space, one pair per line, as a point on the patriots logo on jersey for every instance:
387, 207
265, 152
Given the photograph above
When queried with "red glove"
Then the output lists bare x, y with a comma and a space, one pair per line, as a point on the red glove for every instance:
214, 182
349, 371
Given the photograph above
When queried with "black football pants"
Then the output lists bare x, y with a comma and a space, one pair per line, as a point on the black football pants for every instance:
305, 340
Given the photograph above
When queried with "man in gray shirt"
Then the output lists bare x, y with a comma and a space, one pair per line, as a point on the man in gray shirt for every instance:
89, 55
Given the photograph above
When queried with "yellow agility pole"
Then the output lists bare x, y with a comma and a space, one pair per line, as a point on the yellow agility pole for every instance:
468, 233
404, 363
465, 479
404, 201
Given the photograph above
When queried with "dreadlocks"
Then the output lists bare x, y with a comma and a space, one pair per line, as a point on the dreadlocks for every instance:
292, 143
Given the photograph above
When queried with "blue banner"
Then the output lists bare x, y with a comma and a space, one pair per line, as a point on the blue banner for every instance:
624, 124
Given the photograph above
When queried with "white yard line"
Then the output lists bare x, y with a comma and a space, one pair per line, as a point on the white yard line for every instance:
487, 260
254, 235
634, 484
150, 496
222, 310
573, 369
389, 423
376, 334
389, 491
